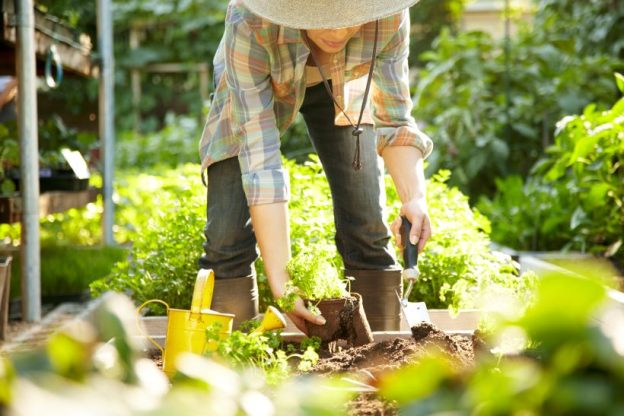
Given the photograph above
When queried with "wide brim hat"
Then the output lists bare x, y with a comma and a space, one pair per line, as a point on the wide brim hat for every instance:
325, 14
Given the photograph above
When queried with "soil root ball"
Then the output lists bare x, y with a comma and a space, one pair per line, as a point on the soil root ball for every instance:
346, 320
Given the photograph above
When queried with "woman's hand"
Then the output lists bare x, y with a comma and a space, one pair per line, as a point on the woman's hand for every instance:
415, 211
301, 314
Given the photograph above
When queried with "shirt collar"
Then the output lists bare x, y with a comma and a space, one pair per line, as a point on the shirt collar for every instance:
288, 35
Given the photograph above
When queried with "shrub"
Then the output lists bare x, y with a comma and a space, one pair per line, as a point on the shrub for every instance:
575, 192
492, 117
544, 363
174, 144
456, 268
167, 241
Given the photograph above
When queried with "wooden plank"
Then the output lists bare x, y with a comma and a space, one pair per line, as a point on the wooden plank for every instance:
74, 49
465, 322
49, 203
58, 201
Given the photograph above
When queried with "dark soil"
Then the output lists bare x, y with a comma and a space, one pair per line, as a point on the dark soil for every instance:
366, 362
388, 355
376, 358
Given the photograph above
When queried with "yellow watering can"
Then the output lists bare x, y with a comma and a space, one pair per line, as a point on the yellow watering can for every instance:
186, 330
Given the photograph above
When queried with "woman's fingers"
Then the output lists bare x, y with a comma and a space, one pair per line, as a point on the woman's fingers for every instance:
416, 230
301, 314
416, 213
299, 322
425, 234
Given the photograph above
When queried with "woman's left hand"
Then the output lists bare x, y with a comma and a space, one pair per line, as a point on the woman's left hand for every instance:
415, 211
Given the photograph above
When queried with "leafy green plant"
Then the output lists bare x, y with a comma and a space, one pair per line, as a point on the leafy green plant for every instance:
559, 350
174, 144
458, 268
428, 19
83, 359
313, 277
531, 214
574, 198
492, 115
264, 351
9, 157
166, 243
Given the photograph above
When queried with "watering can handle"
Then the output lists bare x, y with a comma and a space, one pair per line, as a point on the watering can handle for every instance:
202, 292
140, 327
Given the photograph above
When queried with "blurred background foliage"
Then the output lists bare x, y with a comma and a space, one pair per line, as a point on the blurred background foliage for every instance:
492, 105
187, 32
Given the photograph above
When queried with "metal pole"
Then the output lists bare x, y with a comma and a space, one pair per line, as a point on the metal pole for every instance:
107, 113
29, 160
507, 78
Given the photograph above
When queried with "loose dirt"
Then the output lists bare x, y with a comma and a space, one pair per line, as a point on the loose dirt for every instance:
376, 358
388, 355
368, 361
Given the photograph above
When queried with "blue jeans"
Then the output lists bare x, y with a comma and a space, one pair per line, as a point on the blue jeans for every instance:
362, 235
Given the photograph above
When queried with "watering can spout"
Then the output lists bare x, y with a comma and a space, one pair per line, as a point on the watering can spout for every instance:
273, 319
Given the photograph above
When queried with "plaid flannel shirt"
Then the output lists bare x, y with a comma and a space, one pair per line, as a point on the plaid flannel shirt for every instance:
259, 71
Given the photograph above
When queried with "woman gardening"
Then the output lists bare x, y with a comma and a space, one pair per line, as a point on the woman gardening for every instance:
343, 65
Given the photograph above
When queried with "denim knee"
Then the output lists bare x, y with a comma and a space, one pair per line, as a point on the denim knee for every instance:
230, 246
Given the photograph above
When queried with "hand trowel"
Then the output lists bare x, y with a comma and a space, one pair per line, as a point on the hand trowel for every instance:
414, 312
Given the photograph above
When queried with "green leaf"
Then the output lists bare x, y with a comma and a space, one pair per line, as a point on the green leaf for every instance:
619, 79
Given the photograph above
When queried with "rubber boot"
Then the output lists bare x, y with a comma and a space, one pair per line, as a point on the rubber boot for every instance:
379, 290
237, 295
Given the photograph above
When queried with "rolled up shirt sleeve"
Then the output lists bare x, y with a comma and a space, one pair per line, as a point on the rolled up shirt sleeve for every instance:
391, 99
247, 73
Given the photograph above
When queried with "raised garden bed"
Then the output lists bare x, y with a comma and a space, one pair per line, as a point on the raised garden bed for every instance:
361, 365
465, 323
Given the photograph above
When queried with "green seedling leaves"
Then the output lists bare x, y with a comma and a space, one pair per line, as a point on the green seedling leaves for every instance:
619, 79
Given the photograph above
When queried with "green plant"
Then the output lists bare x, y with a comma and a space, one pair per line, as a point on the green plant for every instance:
574, 197
428, 19
563, 356
83, 359
531, 214
68, 270
264, 351
166, 244
174, 144
493, 113
458, 268
313, 277
9, 157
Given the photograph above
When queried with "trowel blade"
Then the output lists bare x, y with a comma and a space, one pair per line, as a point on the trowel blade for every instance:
415, 313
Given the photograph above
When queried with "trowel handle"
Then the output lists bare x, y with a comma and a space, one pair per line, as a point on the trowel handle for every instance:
410, 251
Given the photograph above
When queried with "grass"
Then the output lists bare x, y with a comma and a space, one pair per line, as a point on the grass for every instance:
67, 270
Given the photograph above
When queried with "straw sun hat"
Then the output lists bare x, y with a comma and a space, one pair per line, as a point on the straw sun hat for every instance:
325, 14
